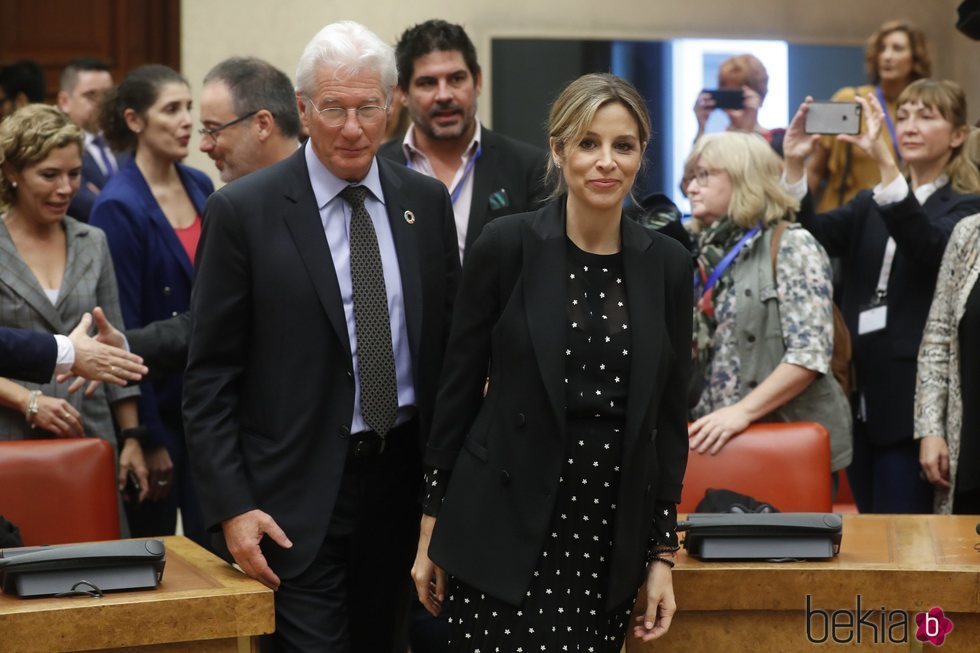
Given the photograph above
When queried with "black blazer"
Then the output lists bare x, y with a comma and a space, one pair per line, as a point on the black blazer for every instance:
506, 450
885, 361
162, 344
269, 386
506, 165
27, 355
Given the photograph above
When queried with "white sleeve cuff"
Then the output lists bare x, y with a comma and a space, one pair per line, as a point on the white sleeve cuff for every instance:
796, 189
66, 355
895, 191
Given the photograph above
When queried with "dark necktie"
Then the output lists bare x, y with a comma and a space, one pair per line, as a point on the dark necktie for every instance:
100, 147
375, 360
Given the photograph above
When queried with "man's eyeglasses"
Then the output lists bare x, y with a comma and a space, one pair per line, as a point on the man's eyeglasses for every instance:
214, 131
337, 116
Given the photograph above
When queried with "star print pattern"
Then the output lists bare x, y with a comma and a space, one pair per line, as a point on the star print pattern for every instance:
564, 608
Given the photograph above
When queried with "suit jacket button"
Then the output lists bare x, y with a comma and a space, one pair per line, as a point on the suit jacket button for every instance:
521, 419
344, 432
167, 291
504, 477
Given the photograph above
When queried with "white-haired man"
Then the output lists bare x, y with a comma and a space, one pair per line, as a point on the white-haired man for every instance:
320, 311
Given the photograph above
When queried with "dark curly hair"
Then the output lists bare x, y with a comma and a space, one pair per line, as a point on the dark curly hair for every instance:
431, 36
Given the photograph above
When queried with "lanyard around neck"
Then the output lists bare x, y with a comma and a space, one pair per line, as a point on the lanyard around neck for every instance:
889, 124
726, 260
467, 172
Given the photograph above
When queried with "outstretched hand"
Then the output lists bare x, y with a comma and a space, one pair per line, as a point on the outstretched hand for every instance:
101, 358
797, 144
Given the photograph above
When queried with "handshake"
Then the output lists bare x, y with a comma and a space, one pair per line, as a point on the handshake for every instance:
102, 358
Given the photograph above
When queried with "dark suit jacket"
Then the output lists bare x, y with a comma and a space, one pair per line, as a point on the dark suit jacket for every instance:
885, 361
81, 205
162, 344
506, 450
27, 355
506, 165
269, 386
154, 275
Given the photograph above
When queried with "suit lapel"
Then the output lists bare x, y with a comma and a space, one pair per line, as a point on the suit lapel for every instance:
158, 219
302, 218
406, 246
80, 259
91, 171
645, 299
483, 176
545, 296
19, 277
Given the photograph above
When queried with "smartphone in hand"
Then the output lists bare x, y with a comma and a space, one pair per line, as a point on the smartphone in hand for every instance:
833, 118
726, 98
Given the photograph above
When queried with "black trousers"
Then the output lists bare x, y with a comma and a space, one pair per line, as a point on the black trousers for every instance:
354, 597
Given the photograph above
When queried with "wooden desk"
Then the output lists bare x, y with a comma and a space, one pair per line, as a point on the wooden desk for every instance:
902, 562
202, 605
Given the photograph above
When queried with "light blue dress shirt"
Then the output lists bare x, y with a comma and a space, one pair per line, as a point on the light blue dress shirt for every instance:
335, 215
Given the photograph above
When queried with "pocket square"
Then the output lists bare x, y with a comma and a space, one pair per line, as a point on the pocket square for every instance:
499, 199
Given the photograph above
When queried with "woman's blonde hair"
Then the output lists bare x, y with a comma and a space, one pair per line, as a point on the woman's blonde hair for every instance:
949, 100
754, 170
575, 107
28, 136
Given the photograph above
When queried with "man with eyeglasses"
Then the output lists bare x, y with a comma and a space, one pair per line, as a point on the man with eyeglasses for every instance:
249, 118
320, 312
488, 174
83, 82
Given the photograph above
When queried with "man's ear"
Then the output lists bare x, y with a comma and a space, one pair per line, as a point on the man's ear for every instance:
265, 122
478, 81
63, 100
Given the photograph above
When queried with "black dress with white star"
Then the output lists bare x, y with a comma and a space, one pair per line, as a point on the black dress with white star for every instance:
564, 610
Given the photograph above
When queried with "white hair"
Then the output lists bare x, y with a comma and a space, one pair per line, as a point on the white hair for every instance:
348, 49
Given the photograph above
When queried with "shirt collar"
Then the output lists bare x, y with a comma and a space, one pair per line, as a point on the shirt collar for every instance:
326, 185
412, 151
925, 191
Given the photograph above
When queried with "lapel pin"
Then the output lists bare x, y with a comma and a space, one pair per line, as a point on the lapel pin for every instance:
409, 217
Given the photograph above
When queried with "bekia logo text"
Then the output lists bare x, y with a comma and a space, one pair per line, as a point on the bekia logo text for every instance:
880, 626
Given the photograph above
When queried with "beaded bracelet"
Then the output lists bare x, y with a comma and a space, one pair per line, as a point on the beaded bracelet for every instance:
666, 561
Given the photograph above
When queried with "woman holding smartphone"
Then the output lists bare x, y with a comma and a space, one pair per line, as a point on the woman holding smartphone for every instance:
891, 241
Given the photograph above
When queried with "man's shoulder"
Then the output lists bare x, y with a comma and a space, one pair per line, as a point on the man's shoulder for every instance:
392, 150
512, 146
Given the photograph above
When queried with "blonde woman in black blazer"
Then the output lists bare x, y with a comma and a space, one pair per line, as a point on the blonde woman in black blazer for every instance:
560, 484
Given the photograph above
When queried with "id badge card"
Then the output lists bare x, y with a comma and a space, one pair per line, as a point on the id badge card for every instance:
872, 319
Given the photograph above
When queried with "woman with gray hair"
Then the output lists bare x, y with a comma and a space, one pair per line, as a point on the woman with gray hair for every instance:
763, 335
551, 495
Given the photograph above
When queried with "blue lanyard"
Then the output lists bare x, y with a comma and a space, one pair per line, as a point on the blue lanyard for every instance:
889, 123
727, 260
466, 173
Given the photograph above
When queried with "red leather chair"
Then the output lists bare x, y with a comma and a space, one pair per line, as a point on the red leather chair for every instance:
59, 491
786, 465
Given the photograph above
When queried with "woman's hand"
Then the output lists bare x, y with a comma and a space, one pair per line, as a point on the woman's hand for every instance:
131, 460
934, 458
797, 144
430, 579
161, 472
59, 417
703, 107
711, 432
660, 606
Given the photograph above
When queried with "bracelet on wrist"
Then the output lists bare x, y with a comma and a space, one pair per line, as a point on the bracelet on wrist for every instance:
30, 411
667, 561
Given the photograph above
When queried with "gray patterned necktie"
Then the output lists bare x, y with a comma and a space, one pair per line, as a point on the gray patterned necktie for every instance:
375, 360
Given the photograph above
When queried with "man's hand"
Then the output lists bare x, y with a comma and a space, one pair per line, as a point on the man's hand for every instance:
430, 579
242, 535
99, 359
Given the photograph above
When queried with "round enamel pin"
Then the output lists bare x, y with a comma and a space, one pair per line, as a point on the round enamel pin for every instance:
409, 217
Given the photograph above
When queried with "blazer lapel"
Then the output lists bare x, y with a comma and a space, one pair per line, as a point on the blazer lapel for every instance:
545, 296
483, 175
19, 277
80, 259
158, 219
406, 246
302, 218
646, 303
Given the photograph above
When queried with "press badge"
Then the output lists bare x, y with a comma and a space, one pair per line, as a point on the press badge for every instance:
872, 319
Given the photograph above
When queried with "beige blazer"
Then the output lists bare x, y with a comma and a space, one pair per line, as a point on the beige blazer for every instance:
89, 281
938, 399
